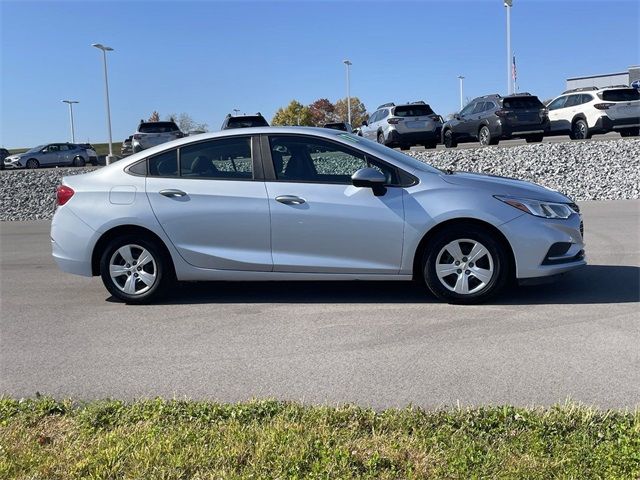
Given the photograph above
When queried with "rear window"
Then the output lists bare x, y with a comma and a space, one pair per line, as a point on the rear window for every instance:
517, 103
246, 122
621, 95
413, 111
336, 126
158, 127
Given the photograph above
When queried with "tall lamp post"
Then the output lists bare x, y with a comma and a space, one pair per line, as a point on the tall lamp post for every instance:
508, 4
348, 64
70, 103
461, 78
106, 49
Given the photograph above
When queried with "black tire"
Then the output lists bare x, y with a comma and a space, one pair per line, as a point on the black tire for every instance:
630, 132
497, 258
449, 139
580, 130
534, 138
430, 145
485, 138
79, 162
405, 147
381, 138
32, 163
162, 268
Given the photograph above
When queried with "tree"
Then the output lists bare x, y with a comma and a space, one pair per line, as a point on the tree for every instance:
186, 123
322, 112
155, 117
358, 111
293, 114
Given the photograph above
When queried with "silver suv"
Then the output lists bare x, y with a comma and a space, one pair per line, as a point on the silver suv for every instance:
150, 134
404, 125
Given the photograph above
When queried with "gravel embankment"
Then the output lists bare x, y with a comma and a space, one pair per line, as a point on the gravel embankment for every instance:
599, 170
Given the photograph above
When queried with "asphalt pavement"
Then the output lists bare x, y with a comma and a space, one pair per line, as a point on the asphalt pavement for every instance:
376, 344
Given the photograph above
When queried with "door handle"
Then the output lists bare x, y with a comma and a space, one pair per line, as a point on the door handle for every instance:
290, 200
172, 193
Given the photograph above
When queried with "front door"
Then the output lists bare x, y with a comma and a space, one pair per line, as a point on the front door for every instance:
320, 222
210, 206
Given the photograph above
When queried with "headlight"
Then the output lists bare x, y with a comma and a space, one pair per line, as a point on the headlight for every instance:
539, 208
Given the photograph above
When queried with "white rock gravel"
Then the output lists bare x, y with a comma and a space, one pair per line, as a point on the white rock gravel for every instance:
584, 170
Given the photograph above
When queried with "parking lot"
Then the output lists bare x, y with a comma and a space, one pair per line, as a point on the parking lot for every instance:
379, 344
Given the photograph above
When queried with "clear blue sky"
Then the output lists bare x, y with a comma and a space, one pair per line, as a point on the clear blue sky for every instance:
207, 58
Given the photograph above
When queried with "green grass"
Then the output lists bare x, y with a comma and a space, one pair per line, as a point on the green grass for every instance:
101, 148
44, 438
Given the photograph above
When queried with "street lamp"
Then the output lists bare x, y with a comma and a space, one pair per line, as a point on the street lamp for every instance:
508, 4
106, 49
348, 64
461, 78
70, 103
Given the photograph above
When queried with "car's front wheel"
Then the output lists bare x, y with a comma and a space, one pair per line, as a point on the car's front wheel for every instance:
32, 163
135, 269
464, 264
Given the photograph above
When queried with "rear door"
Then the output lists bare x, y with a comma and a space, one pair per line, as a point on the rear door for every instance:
212, 203
625, 104
320, 222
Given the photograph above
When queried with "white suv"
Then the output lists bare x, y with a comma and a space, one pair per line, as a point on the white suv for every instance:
150, 134
583, 112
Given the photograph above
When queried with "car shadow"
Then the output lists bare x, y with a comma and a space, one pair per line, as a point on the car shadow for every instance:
591, 284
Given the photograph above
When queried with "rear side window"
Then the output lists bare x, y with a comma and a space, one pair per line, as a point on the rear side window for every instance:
246, 122
164, 165
413, 111
521, 103
228, 158
158, 127
620, 95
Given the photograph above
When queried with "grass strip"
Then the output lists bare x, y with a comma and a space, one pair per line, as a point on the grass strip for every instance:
173, 439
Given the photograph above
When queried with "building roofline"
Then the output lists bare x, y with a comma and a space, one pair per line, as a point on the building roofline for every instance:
598, 76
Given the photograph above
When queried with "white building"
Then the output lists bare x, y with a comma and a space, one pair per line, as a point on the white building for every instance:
605, 80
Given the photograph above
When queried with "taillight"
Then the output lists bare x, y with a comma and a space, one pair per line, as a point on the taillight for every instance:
604, 106
63, 194
501, 113
394, 121
137, 136
544, 112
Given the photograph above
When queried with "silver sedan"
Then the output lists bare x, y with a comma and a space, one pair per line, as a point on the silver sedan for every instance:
295, 203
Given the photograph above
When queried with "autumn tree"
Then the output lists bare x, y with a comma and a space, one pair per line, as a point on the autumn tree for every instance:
322, 112
155, 117
358, 111
293, 114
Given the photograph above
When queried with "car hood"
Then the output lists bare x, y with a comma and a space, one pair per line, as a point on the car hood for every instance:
505, 186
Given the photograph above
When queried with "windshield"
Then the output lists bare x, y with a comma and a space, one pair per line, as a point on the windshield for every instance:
406, 160
36, 149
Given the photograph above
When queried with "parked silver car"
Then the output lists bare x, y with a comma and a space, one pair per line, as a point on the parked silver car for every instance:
404, 125
296, 203
53, 154
150, 134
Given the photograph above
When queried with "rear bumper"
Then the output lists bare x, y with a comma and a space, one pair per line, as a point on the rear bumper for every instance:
606, 124
72, 241
413, 138
505, 130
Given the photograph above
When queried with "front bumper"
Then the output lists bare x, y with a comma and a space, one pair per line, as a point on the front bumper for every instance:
12, 163
533, 241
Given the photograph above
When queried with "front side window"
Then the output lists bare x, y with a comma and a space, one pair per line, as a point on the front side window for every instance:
305, 159
468, 109
228, 158
558, 103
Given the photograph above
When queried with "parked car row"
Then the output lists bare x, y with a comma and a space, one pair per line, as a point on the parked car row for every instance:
53, 154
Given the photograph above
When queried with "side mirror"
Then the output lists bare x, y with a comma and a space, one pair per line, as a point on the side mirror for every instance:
370, 178
364, 123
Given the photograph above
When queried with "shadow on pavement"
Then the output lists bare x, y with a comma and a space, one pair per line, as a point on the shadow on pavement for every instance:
591, 284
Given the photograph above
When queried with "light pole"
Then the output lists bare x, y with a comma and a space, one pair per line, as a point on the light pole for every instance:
70, 103
106, 49
507, 5
461, 78
348, 64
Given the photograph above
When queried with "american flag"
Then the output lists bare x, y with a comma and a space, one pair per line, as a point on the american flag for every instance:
514, 73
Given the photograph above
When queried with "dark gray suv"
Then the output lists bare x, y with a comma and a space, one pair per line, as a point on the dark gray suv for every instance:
492, 118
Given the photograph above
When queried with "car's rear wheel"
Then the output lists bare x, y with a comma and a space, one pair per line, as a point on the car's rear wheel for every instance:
449, 139
32, 163
79, 162
534, 138
465, 264
580, 130
381, 138
630, 132
485, 138
135, 269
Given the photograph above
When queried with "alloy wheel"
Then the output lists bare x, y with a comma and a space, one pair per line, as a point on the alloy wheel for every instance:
484, 136
133, 269
464, 266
